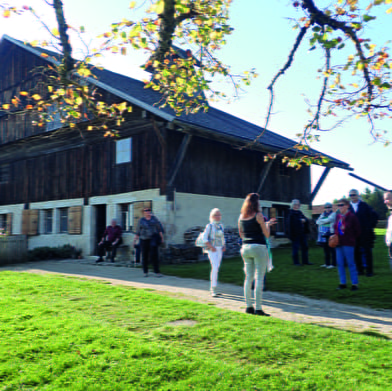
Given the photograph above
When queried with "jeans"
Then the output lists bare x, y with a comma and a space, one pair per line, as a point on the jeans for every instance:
346, 253
215, 258
149, 253
255, 258
296, 244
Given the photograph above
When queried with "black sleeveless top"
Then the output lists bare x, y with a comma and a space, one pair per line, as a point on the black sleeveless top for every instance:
252, 232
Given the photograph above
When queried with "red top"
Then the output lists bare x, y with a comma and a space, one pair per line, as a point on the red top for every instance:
348, 228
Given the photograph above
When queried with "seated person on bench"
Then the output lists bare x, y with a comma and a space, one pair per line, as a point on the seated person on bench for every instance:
110, 241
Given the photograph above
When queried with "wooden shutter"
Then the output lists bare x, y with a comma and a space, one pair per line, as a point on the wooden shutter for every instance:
33, 222
75, 220
25, 221
8, 226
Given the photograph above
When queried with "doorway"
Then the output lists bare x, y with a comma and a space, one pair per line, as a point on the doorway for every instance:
100, 223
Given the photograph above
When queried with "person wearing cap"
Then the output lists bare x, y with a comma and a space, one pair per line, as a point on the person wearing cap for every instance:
150, 233
324, 232
368, 220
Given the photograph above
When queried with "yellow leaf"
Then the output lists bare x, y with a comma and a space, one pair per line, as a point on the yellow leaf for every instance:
388, 1
36, 97
355, 85
23, 93
132, 4
29, 107
389, 10
34, 43
55, 32
44, 55
6, 106
89, 128
7, 13
50, 88
72, 125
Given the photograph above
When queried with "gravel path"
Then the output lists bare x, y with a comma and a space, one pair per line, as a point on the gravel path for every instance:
289, 307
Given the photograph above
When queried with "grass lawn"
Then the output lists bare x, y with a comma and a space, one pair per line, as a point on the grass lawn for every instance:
311, 281
60, 333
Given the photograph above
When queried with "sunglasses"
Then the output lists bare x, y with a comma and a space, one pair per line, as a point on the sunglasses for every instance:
340, 205
147, 210
353, 195
328, 207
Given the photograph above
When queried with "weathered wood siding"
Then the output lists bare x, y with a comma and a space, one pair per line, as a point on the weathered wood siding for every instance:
16, 76
214, 168
84, 171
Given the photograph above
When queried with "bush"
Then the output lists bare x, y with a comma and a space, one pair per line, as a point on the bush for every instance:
60, 252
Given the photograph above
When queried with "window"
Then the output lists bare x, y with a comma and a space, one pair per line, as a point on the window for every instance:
48, 221
125, 217
136, 211
4, 173
124, 150
63, 220
280, 213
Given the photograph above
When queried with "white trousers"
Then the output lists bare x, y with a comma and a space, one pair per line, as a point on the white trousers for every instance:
215, 258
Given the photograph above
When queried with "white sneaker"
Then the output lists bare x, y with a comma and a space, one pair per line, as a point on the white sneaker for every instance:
330, 267
213, 292
323, 266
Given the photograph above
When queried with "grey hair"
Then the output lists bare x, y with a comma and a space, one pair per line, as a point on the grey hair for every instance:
354, 191
213, 211
294, 202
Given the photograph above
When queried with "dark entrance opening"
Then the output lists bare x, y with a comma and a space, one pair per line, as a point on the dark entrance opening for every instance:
100, 223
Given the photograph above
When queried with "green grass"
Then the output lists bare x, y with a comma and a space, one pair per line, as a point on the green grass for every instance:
61, 333
311, 281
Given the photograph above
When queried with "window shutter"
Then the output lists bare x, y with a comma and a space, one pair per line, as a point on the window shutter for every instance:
75, 220
9, 224
25, 221
33, 222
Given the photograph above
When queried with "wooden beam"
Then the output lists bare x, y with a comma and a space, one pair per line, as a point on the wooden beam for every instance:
368, 182
179, 158
264, 174
319, 183
159, 134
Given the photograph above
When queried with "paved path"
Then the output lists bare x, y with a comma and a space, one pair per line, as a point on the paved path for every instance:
280, 305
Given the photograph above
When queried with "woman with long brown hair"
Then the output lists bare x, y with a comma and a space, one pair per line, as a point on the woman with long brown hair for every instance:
254, 232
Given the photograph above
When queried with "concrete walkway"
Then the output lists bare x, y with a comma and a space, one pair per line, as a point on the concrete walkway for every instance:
280, 305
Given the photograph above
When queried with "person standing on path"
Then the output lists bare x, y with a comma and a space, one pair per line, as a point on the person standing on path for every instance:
214, 239
254, 231
297, 229
149, 231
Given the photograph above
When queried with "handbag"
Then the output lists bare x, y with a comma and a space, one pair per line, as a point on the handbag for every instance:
333, 241
199, 242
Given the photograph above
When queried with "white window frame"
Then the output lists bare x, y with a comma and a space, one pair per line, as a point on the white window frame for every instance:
124, 150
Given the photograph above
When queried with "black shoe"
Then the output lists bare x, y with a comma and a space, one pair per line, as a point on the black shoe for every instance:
99, 260
354, 288
369, 275
308, 263
361, 273
250, 310
261, 313
297, 264
341, 286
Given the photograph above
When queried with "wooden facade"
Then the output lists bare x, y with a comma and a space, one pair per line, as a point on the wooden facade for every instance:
66, 164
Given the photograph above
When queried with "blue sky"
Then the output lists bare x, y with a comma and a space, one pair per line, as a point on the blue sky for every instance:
262, 39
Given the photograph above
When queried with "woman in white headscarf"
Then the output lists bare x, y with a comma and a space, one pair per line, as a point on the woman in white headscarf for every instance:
214, 240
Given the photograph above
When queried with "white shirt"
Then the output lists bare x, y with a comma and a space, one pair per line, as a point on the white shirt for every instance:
355, 206
388, 236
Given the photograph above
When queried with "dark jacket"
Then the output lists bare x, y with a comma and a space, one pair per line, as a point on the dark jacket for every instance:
348, 229
111, 233
295, 227
368, 218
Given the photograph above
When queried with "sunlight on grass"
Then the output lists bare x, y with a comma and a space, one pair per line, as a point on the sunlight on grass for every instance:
59, 333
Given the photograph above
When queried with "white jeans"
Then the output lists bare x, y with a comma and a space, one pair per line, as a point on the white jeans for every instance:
255, 258
215, 258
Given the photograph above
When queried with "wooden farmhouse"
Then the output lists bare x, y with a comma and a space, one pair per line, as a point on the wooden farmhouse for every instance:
63, 186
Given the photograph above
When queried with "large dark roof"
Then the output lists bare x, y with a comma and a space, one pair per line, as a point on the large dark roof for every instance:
214, 121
